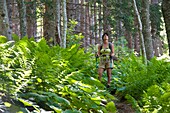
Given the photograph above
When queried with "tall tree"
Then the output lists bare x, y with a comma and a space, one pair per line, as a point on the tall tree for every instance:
82, 20
166, 15
58, 18
100, 22
4, 20
146, 29
64, 23
22, 16
31, 18
140, 31
49, 20
137, 44
105, 15
87, 24
155, 17
9, 9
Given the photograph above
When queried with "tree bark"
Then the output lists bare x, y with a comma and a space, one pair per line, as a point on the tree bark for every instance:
166, 15
31, 19
4, 21
22, 16
140, 32
105, 16
136, 36
155, 15
82, 22
58, 18
64, 23
87, 24
9, 7
100, 23
49, 22
146, 29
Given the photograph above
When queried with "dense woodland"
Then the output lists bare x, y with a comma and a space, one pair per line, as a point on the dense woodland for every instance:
47, 56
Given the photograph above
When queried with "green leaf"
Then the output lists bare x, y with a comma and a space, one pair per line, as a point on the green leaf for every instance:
7, 104
26, 103
15, 37
62, 100
111, 107
58, 110
3, 39
72, 111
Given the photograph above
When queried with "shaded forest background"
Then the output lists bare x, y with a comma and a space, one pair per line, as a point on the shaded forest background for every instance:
134, 24
47, 61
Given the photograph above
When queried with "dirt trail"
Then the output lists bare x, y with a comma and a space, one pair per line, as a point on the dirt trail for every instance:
124, 107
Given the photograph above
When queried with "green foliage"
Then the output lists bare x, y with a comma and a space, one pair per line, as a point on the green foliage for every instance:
111, 107
46, 78
137, 77
156, 99
3, 39
73, 38
155, 16
15, 37
120, 48
146, 87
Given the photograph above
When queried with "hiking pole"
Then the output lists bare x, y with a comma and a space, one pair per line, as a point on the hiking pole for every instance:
97, 63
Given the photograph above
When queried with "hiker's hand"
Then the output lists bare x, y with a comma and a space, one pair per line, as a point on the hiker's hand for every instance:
111, 57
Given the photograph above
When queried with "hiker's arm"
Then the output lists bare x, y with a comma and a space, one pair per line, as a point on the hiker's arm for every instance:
112, 54
98, 52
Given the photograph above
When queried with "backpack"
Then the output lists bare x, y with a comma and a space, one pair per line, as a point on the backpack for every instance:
110, 47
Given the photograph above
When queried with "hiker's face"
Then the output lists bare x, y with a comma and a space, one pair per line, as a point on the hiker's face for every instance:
105, 38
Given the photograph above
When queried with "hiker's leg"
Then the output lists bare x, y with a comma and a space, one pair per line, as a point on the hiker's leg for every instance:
100, 72
109, 74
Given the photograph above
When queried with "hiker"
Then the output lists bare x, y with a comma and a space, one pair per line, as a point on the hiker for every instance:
105, 54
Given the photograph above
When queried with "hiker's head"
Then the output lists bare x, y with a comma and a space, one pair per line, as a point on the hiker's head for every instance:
105, 36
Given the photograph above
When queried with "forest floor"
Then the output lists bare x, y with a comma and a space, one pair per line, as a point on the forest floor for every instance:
122, 105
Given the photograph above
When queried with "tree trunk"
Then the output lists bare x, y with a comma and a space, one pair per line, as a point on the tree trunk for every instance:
146, 29
9, 7
31, 18
166, 15
128, 36
95, 23
58, 18
64, 23
49, 23
4, 20
82, 22
140, 32
87, 24
105, 15
22, 16
155, 13
136, 36
100, 23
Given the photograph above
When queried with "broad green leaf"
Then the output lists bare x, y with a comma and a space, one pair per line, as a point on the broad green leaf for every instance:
97, 100
26, 103
72, 47
111, 107
62, 100
57, 110
3, 39
39, 80
7, 104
